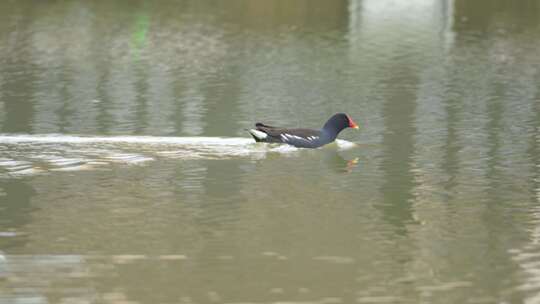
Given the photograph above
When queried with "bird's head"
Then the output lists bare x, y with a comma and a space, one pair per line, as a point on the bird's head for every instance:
339, 122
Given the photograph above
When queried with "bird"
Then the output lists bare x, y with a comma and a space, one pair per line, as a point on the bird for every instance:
304, 138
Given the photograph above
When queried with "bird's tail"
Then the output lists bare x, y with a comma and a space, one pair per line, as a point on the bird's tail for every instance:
260, 124
257, 135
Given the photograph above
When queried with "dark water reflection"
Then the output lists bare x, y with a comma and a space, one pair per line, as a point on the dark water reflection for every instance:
137, 200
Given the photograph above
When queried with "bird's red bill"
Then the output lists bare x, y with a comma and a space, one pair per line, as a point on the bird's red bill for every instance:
352, 124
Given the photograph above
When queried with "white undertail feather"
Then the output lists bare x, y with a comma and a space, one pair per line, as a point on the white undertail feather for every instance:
258, 134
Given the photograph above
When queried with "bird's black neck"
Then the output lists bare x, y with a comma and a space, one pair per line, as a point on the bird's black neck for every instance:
332, 129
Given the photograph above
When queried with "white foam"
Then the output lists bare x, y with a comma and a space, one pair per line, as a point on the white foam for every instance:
128, 158
12, 163
345, 144
150, 140
283, 148
72, 139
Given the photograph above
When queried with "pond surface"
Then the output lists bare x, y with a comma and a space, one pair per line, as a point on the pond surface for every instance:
127, 176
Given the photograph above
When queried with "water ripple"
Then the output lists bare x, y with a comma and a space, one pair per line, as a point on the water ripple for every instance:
37, 154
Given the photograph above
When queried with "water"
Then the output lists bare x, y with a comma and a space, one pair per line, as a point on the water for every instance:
126, 175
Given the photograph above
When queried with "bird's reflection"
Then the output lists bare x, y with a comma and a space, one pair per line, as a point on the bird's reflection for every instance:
351, 164
338, 163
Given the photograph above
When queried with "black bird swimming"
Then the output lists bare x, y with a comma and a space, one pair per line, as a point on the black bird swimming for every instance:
304, 138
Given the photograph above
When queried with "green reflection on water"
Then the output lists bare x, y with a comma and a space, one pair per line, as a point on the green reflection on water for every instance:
139, 36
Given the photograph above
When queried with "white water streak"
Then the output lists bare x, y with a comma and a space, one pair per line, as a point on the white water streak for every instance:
25, 154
